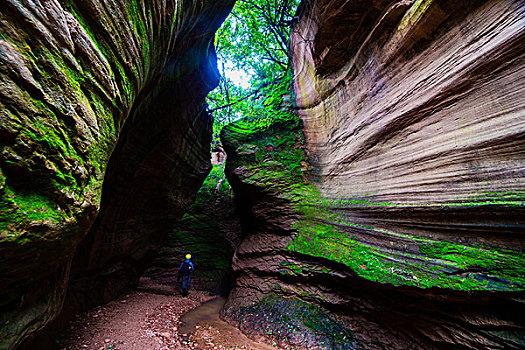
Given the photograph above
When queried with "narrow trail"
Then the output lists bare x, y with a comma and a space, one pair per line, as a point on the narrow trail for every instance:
161, 320
136, 321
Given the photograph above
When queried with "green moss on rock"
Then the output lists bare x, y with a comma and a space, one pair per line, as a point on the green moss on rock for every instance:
324, 232
207, 231
272, 158
290, 321
19, 210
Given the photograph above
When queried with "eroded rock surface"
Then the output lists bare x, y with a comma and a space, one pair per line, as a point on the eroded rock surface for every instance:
409, 228
420, 135
83, 82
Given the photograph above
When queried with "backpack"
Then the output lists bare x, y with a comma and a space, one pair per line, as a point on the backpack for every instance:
185, 268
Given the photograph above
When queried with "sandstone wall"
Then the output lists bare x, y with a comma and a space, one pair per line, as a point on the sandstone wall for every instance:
419, 132
85, 84
409, 226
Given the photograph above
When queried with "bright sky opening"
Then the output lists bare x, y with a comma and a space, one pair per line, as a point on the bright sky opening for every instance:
238, 77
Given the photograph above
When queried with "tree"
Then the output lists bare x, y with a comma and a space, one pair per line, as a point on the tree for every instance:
253, 39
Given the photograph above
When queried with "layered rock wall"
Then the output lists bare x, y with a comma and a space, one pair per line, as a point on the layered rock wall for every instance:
83, 82
420, 133
409, 226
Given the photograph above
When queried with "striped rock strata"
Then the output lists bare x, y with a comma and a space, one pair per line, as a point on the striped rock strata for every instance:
409, 226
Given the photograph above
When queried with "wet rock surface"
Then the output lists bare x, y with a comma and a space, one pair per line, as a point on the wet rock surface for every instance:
408, 226
205, 330
96, 91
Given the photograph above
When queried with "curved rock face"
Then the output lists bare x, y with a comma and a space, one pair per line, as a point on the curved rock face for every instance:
79, 80
420, 133
410, 226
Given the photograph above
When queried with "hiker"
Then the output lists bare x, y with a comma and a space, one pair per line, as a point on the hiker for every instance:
185, 270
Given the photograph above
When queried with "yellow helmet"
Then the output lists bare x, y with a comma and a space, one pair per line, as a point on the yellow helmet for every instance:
188, 256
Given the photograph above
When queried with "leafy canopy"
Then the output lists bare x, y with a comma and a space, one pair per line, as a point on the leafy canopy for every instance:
253, 40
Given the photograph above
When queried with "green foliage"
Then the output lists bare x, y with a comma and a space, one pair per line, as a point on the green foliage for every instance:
253, 39
271, 105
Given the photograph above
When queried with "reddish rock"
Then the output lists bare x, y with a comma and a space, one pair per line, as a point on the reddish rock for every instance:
410, 228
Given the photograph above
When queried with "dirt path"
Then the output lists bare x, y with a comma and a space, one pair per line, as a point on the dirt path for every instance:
136, 321
142, 320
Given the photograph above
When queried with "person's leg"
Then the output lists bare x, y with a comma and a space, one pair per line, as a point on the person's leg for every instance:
185, 284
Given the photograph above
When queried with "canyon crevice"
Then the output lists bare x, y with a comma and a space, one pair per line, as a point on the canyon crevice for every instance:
384, 210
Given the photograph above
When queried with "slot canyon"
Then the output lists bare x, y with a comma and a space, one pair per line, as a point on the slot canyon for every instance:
387, 212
